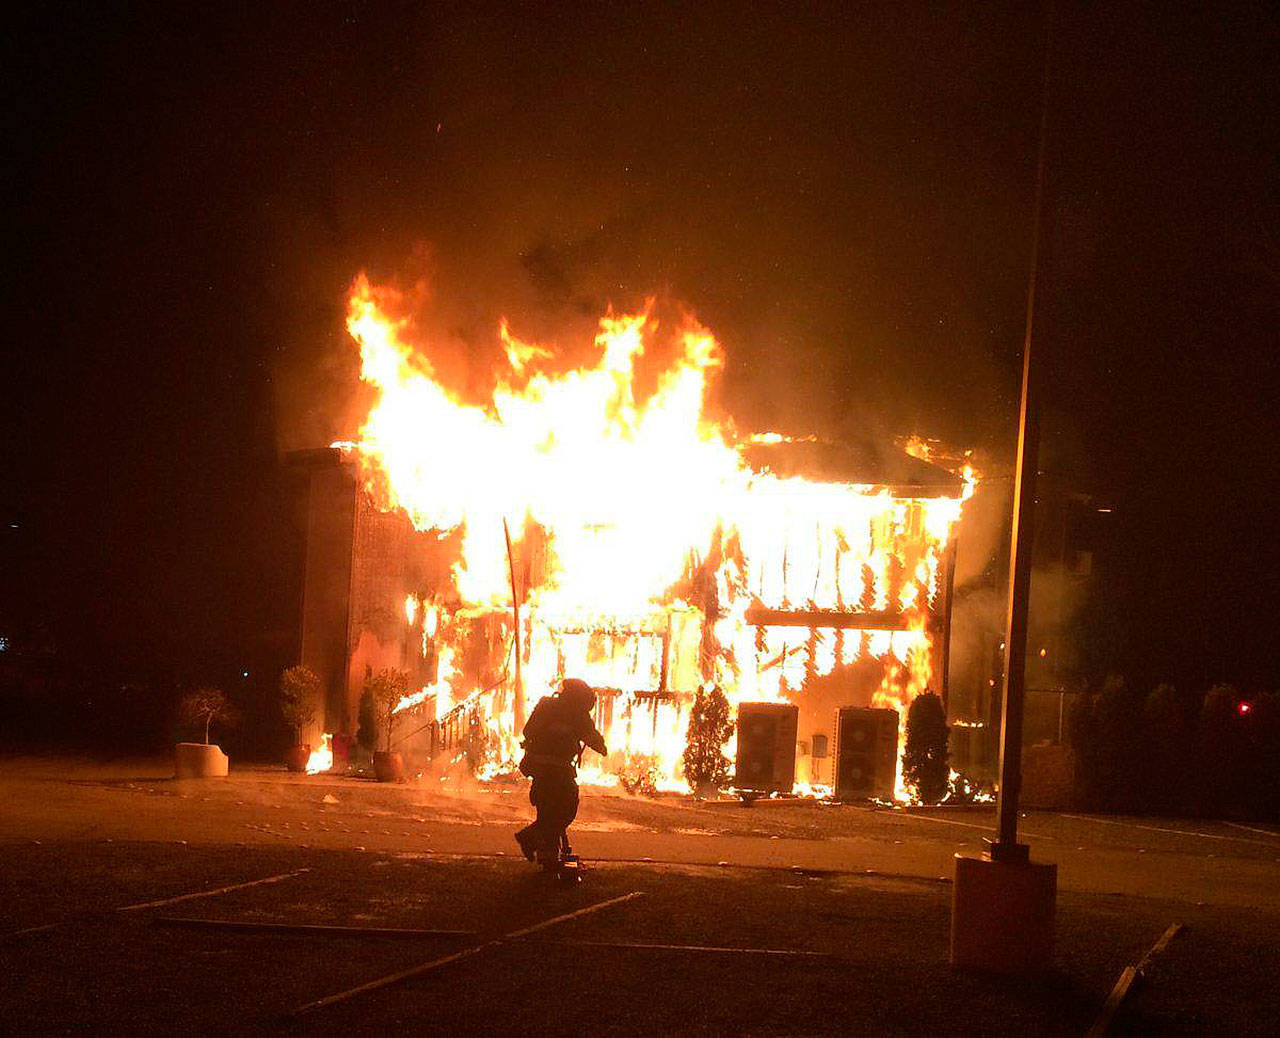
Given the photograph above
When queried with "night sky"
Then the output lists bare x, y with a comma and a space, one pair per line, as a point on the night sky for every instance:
844, 197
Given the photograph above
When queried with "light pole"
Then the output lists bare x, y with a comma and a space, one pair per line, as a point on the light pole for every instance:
1003, 904
1005, 847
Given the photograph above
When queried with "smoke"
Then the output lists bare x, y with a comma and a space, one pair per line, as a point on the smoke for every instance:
829, 225
793, 367
1059, 586
856, 242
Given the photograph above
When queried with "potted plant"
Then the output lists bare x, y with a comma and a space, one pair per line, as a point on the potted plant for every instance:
299, 695
201, 709
385, 689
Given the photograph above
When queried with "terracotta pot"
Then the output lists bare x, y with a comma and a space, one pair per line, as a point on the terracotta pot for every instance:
388, 766
296, 757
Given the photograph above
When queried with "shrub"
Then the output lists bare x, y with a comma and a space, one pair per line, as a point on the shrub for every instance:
1217, 766
1166, 736
1169, 752
1262, 727
706, 768
299, 696
924, 759
1106, 738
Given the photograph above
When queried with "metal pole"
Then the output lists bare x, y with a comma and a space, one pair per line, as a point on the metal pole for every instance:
518, 704
949, 582
1006, 846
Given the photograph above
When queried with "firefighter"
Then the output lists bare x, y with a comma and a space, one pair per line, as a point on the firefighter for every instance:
554, 737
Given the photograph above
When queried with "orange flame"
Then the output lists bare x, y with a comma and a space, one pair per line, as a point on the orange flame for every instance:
321, 759
644, 538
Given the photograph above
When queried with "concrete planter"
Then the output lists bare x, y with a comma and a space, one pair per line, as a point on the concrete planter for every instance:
296, 757
388, 766
199, 760
1002, 915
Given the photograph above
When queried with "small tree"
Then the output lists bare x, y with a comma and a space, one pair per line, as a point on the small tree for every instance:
924, 759
204, 706
705, 765
385, 689
299, 694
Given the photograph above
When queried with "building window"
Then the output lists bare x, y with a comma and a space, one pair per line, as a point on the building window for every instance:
819, 745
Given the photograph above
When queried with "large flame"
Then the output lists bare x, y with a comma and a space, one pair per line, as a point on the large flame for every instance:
321, 758
639, 537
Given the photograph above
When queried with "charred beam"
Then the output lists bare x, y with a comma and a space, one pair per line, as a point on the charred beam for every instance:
863, 621
641, 695
944, 643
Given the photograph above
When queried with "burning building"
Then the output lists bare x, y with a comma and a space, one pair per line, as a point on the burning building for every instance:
575, 524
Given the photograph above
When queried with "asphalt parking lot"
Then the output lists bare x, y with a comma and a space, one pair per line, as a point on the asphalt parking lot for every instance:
686, 946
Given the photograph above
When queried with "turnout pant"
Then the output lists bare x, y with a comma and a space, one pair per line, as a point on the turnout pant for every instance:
555, 795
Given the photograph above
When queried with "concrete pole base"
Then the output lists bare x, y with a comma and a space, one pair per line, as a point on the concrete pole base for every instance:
1002, 915
199, 760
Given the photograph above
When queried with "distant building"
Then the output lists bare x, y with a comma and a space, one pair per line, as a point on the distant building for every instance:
1070, 550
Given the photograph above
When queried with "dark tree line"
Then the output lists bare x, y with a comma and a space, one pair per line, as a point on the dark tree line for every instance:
1165, 751
50, 704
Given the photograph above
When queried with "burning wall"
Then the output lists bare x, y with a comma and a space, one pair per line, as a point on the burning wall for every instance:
646, 548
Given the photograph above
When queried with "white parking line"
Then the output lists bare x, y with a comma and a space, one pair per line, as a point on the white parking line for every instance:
444, 960
692, 948
212, 893
969, 825
1251, 829
14, 934
1174, 832
304, 929
49, 927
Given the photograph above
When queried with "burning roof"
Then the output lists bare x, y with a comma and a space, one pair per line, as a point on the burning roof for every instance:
856, 464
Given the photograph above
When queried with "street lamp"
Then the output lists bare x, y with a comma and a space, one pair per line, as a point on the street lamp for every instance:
1002, 907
